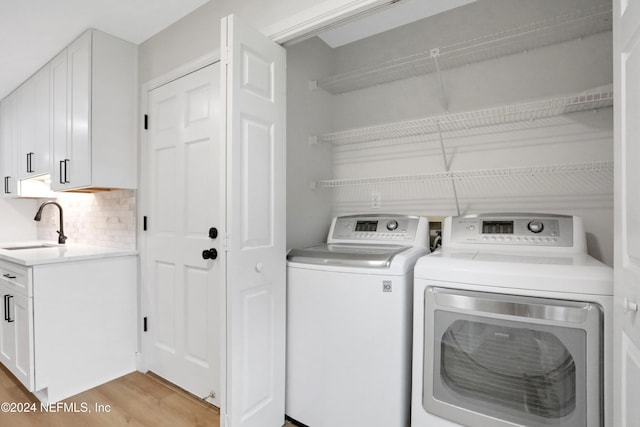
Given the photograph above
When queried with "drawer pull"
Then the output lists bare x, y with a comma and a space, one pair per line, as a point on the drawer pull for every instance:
9, 276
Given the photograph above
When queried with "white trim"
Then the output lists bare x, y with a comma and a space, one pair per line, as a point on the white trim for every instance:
323, 15
179, 72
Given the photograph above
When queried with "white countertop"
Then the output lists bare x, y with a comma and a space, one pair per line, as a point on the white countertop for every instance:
54, 253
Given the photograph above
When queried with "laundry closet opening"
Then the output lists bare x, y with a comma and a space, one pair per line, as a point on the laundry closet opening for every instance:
496, 105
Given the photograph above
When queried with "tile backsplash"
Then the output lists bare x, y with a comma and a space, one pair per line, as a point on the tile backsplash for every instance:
100, 219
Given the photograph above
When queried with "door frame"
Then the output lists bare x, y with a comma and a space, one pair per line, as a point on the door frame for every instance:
142, 199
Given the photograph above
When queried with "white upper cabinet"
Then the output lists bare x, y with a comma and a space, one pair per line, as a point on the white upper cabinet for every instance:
97, 149
74, 119
34, 125
9, 146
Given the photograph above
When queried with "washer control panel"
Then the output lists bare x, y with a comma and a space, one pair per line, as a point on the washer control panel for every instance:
378, 228
513, 229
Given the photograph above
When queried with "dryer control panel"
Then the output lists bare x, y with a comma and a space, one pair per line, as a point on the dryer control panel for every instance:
400, 229
514, 229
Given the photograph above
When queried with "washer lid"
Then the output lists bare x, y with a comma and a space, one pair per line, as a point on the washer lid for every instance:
346, 255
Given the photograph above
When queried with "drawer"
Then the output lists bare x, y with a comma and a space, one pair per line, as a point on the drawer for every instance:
17, 278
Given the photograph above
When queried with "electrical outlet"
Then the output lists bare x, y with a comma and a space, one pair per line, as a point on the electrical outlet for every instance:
375, 200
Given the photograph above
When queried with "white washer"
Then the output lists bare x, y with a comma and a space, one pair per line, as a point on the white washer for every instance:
349, 323
512, 326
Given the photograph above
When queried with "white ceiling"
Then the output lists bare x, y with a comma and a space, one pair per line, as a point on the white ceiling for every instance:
34, 31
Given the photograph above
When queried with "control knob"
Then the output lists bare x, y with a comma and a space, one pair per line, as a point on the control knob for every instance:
392, 225
535, 226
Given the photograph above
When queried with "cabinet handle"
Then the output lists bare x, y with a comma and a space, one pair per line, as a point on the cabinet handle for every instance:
29, 162
6, 307
61, 166
9, 319
6, 185
9, 276
66, 166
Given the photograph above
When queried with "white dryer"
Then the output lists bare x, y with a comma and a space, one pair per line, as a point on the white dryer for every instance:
349, 319
512, 326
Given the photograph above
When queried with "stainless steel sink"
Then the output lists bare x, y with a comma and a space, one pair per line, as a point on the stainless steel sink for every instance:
40, 246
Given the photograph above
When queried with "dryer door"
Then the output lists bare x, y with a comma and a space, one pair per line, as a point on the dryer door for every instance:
494, 360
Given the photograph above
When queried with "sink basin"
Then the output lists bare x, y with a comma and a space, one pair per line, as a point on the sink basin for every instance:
40, 246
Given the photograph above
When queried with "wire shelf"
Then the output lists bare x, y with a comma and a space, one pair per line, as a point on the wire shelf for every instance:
529, 111
571, 26
584, 177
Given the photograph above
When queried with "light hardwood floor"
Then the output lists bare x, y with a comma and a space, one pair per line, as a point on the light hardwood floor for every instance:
133, 400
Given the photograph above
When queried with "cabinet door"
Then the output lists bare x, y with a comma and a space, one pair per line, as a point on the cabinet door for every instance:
26, 126
77, 164
21, 315
59, 130
8, 146
33, 99
5, 140
7, 331
38, 160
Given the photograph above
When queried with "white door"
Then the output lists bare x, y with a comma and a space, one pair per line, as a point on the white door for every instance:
185, 179
626, 26
253, 73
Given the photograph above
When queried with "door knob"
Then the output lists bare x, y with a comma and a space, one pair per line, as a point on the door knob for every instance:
210, 254
213, 233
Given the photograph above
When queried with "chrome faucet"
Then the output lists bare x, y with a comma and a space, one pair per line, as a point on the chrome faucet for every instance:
61, 237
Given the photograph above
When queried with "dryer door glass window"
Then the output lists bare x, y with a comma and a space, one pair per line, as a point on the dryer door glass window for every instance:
525, 373
516, 367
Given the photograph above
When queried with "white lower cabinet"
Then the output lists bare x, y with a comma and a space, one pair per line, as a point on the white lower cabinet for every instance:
68, 326
16, 333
